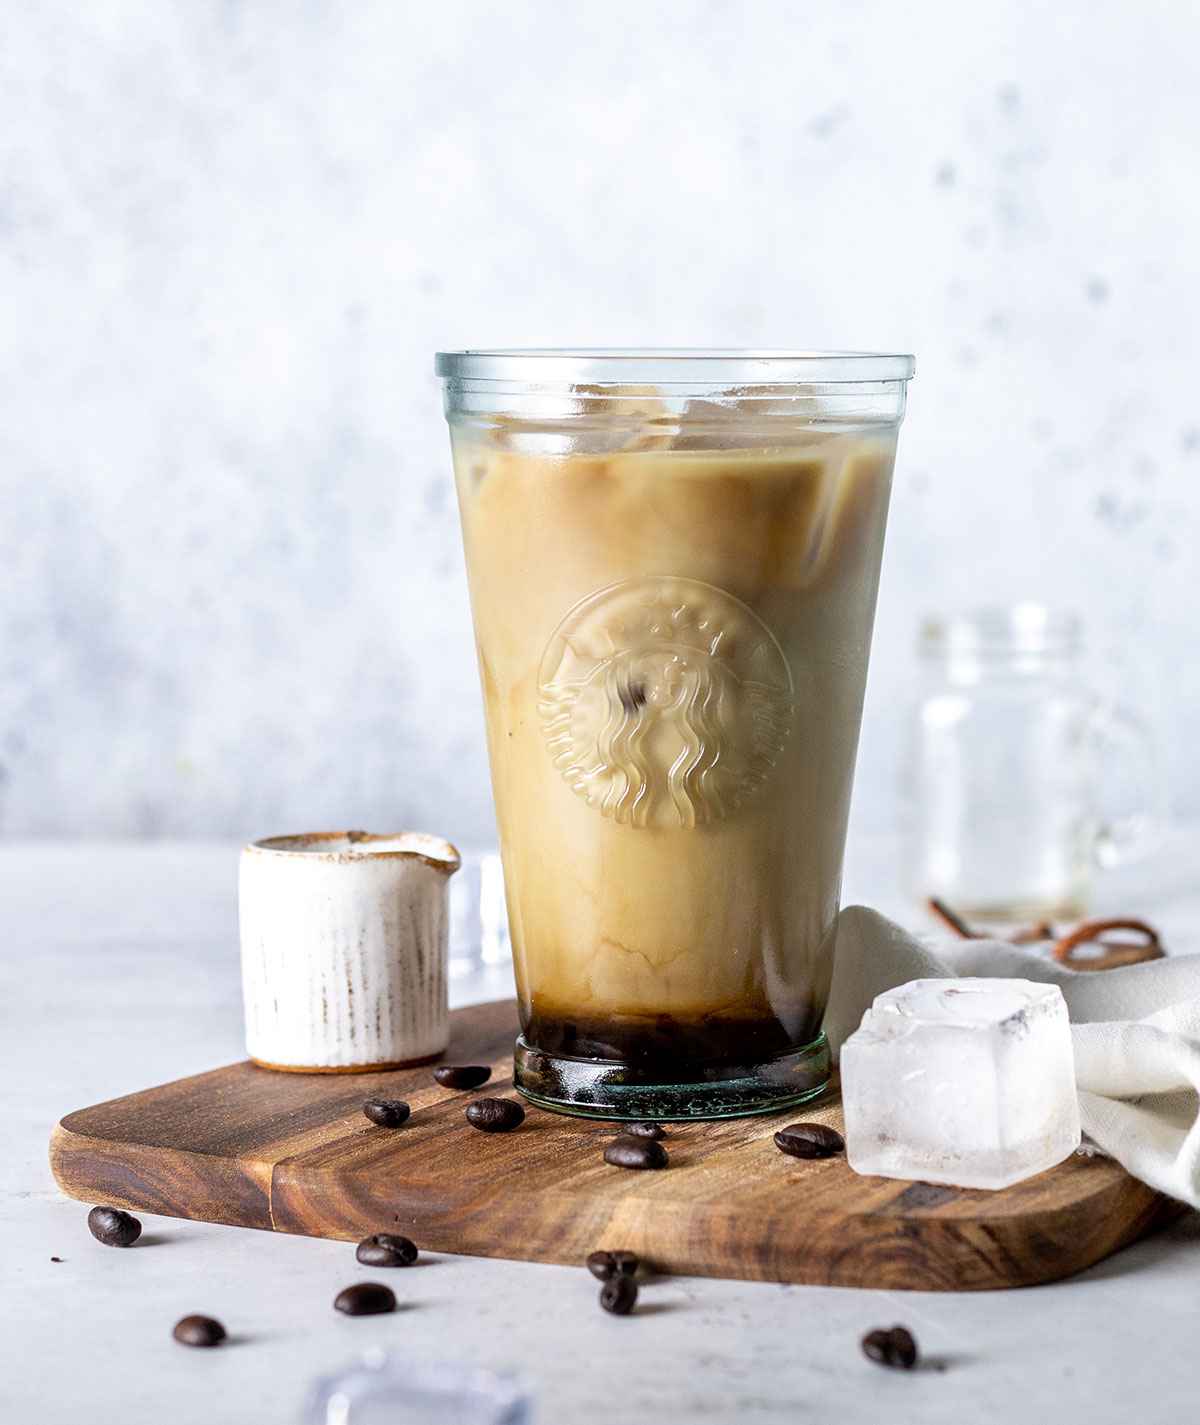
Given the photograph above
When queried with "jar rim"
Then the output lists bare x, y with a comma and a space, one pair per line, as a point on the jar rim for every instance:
1000, 631
666, 366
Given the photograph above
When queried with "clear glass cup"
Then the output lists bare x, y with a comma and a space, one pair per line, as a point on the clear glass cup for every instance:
1020, 779
673, 560
478, 920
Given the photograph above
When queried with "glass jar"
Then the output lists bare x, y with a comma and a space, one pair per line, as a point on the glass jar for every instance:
673, 560
1019, 780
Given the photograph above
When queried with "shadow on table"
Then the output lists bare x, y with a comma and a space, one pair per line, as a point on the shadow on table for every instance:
1178, 1241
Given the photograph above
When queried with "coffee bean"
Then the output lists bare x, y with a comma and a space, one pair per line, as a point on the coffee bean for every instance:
606, 1265
495, 1115
365, 1299
462, 1076
644, 1130
877, 1346
809, 1140
386, 1250
629, 1152
602, 1265
113, 1227
387, 1112
619, 1295
895, 1348
904, 1347
199, 1331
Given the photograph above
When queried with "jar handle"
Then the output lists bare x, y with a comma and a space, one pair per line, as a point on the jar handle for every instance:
1132, 805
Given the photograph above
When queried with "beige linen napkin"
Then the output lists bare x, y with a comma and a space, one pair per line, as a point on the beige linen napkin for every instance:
1136, 1032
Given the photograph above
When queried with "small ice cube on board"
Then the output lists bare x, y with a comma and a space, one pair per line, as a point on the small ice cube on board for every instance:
970, 1082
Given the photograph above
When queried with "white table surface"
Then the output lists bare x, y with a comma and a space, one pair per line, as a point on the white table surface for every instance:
120, 971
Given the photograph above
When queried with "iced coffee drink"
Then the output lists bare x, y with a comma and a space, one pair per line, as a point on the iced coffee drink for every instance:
673, 589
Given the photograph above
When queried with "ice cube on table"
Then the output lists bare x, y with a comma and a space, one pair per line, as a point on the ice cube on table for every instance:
970, 1082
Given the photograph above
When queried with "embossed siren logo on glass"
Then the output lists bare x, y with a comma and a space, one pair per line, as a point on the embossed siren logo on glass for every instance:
665, 702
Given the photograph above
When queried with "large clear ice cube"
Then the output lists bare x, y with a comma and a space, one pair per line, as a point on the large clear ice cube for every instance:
970, 1082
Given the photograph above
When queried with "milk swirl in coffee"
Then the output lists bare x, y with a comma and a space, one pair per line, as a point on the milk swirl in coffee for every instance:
673, 620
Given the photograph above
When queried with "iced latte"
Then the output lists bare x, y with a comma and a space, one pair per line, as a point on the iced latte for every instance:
673, 590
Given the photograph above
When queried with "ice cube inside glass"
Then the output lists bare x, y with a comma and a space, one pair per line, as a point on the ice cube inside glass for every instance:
969, 1082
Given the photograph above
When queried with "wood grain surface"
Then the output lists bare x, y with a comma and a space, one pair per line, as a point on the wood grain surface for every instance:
293, 1153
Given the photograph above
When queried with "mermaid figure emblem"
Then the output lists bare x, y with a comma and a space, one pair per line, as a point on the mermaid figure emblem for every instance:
665, 702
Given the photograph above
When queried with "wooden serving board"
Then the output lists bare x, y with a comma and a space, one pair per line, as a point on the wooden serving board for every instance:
293, 1153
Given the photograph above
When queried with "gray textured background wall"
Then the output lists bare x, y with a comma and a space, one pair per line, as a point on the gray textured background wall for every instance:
231, 236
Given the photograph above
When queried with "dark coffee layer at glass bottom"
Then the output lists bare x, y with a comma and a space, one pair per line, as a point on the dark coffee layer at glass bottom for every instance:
607, 1088
665, 1048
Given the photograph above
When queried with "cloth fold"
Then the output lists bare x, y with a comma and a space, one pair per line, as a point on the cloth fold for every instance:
1136, 1034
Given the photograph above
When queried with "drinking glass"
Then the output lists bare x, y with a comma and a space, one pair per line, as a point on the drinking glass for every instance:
1020, 778
673, 559
478, 921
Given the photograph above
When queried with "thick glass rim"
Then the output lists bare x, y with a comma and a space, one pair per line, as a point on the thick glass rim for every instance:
666, 366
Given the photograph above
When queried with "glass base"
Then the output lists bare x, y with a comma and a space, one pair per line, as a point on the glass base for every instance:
597, 1088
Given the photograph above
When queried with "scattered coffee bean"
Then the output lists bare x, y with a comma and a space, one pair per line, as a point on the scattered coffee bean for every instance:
387, 1112
606, 1265
462, 1076
113, 1227
895, 1348
644, 1130
629, 1152
199, 1331
386, 1250
56, 1259
602, 1265
809, 1140
365, 1299
495, 1115
619, 1295
877, 1346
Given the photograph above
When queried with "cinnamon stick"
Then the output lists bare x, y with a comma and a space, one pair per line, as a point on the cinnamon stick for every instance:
1118, 952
